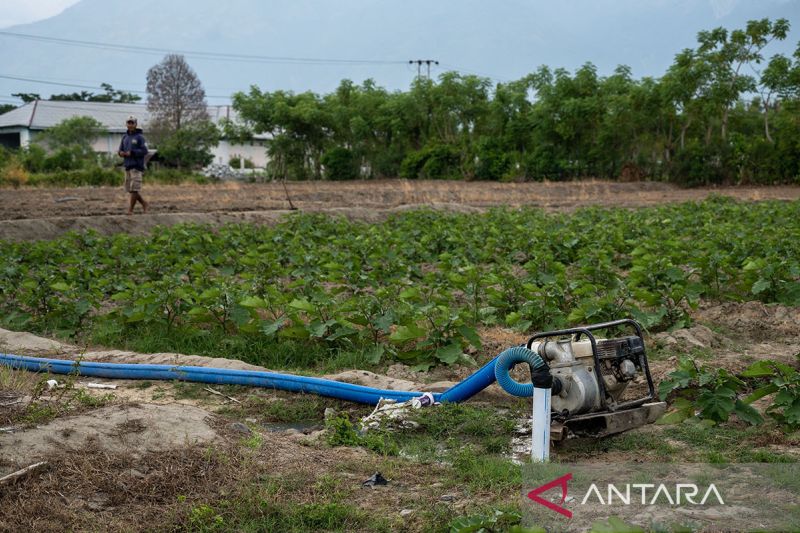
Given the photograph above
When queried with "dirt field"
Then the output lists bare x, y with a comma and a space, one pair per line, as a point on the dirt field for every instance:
46, 213
186, 457
178, 456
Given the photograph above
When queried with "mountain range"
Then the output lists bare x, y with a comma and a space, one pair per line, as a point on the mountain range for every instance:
503, 40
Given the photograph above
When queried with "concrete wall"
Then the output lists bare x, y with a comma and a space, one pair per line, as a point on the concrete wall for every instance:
256, 151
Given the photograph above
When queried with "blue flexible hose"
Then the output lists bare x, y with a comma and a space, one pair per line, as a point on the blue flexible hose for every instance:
507, 360
460, 392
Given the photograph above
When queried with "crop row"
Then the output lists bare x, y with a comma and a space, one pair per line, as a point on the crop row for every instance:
414, 287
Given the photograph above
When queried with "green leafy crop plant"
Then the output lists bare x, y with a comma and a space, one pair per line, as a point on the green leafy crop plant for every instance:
413, 288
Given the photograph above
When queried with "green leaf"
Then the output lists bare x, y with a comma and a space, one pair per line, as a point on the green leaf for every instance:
759, 393
747, 413
410, 293
674, 417
210, 294
294, 332
340, 329
679, 379
374, 353
270, 328
792, 413
253, 302
760, 286
767, 368
239, 315
318, 328
407, 333
449, 354
471, 335
302, 305
60, 286
384, 322
716, 404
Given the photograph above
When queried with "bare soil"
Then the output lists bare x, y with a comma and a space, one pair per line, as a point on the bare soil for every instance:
151, 454
42, 213
146, 456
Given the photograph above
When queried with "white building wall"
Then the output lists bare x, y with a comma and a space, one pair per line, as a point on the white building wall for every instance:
255, 151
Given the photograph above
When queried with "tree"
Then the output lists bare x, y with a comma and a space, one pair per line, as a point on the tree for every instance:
110, 95
75, 132
727, 54
181, 128
68, 145
190, 146
27, 97
175, 96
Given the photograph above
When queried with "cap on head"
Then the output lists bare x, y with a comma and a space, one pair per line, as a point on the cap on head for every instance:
131, 120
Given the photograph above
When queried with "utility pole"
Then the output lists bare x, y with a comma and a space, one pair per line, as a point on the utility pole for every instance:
420, 62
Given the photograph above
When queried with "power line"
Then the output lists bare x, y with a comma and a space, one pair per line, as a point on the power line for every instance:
420, 62
247, 58
79, 86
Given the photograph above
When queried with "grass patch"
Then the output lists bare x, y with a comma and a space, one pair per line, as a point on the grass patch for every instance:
342, 432
296, 502
482, 472
448, 427
645, 444
250, 348
726, 443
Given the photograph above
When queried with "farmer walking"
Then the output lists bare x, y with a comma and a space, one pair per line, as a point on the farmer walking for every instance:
134, 149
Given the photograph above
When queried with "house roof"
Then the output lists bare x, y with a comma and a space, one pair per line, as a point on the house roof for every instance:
44, 114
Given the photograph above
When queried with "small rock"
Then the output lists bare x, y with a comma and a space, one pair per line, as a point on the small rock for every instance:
447, 497
375, 479
241, 428
665, 339
250, 420
406, 512
330, 413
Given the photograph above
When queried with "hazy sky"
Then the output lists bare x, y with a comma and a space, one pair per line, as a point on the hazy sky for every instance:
501, 40
24, 11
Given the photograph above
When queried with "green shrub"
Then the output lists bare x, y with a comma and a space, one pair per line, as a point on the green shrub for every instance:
94, 176
340, 164
492, 161
440, 161
236, 162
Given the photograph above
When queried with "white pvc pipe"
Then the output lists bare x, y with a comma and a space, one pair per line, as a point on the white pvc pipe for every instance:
540, 446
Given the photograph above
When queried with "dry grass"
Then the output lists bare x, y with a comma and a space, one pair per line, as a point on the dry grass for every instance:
89, 489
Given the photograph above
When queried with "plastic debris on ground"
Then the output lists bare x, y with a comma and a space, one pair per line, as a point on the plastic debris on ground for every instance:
375, 479
393, 414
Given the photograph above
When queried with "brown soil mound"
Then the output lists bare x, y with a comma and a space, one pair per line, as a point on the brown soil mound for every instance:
31, 214
754, 319
133, 429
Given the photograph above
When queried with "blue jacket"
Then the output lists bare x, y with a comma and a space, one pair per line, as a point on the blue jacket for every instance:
136, 145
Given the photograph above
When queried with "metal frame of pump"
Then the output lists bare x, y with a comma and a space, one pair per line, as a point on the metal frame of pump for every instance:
606, 401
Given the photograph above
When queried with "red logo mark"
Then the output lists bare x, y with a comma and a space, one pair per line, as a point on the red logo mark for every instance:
559, 482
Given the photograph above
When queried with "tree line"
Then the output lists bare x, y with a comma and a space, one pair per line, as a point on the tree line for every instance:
721, 113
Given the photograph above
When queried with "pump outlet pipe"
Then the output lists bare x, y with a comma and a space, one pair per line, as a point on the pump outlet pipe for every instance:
540, 388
